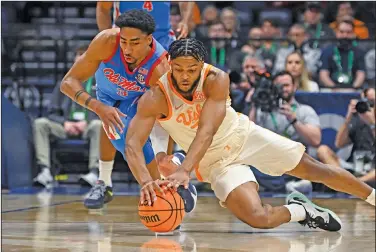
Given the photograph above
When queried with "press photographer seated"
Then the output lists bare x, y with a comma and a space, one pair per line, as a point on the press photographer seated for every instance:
359, 130
274, 107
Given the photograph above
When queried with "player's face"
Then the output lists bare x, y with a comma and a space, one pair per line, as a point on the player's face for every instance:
135, 44
186, 71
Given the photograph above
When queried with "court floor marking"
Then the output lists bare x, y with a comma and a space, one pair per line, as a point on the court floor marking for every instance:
38, 207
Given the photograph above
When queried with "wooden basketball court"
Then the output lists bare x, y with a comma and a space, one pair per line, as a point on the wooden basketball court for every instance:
61, 223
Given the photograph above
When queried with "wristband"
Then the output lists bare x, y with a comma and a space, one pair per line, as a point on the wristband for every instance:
87, 101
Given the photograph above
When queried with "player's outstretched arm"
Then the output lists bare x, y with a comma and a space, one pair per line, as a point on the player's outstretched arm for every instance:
100, 49
103, 15
138, 132
186, 24
212, 115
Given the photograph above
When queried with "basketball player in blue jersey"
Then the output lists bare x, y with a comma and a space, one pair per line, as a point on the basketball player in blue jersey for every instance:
126, 61
159, 10
161, 13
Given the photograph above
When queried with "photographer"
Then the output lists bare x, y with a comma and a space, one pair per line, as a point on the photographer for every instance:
274, 107
282, 114
241, 83
359, 130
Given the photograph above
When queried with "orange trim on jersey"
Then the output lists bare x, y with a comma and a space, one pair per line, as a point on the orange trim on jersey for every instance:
115, 50
198, 174
168, 103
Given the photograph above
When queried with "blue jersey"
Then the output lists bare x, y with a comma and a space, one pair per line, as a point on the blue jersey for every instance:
160, 11
117, 83
119, 87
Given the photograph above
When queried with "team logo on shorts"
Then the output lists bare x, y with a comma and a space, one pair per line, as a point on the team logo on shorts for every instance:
141, 78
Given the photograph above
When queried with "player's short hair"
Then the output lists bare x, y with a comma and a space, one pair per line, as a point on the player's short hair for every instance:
138, 19
188, 47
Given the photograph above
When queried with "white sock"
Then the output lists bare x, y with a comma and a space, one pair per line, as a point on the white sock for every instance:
371, 198
297, 212
105, 171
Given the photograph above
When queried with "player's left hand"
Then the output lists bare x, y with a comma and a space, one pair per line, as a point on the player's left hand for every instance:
286, 110
182, 30
180, 177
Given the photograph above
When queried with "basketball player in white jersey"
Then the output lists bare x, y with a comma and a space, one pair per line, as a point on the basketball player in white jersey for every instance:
192, 104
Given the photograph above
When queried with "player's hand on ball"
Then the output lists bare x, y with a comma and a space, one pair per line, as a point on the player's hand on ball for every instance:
111, 117
147, 192
180, 177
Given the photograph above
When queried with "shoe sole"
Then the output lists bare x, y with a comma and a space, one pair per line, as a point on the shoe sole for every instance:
302, 196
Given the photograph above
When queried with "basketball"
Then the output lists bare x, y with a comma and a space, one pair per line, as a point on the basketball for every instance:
165, 214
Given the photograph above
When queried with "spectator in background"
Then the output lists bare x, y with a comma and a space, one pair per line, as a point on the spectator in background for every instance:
295, 65
209, 15
250, 48
230, 21
342, 62
359, 130
298, 122
253, 43
314, 27
219, 50
345, 10
269, 47
298, 38
67, 119
370, 66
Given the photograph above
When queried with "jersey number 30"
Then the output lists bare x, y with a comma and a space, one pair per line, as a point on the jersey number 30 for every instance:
148, 5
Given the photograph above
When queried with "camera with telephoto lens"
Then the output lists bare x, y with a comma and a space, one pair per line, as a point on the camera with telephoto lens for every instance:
267, 96
363, 105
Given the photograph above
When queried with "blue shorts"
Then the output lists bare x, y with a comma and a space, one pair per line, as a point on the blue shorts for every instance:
128, 107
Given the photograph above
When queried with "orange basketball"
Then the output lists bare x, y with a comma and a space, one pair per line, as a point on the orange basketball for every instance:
165, 214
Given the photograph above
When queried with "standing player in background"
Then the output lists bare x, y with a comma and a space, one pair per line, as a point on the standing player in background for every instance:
160, 11
126, 61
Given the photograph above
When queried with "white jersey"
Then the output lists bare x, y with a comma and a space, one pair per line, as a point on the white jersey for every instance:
183, 118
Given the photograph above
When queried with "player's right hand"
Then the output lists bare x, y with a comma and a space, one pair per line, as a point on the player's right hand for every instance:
147, 192
111, 117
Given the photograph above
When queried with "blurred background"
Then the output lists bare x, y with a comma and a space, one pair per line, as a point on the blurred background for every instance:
327, 47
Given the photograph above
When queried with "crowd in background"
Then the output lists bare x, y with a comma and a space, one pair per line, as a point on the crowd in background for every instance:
310, 47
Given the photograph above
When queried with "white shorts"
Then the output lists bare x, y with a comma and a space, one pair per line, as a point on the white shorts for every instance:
159, 139
267, 151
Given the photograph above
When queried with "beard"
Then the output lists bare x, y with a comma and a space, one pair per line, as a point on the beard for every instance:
188, 93
288, 97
